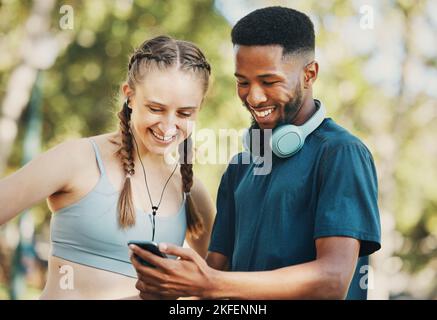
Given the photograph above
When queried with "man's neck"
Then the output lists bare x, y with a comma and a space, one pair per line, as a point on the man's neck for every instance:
306, 111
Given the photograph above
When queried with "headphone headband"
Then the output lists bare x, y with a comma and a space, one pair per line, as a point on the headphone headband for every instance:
315, 121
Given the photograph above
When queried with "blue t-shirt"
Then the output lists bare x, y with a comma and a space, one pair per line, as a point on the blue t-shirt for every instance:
329, 188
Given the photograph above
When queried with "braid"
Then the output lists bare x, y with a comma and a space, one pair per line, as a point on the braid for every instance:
194, 219
203, 64
126, 141
186, 164
137, 56
126, 210
191, 58
148, 55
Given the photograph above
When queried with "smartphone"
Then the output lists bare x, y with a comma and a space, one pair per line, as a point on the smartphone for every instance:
149, 246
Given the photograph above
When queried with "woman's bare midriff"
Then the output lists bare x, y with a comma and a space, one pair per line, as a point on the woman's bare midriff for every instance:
69, 280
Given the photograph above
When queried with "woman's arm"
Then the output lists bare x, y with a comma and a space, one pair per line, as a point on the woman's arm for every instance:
48, 173
206, 207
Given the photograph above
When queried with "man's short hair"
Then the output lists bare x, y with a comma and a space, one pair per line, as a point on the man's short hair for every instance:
291, 29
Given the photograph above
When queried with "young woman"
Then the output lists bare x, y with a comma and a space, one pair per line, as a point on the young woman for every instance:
109, 189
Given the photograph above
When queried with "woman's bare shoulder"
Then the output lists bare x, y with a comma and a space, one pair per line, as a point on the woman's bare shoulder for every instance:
71, 151
108, 143
79, 153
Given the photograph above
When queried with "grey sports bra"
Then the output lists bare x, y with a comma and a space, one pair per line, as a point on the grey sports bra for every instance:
87, 232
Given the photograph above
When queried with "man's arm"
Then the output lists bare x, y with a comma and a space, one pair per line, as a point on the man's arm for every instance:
217, 261
327, 277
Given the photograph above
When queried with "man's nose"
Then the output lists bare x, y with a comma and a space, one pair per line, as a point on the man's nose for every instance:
256, 96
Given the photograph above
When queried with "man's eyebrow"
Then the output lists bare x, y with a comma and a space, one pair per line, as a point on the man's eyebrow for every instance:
267, 75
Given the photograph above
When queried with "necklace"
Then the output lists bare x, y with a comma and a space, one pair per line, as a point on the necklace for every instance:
154, 208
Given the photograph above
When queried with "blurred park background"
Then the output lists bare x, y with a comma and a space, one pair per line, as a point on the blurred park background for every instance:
62, 63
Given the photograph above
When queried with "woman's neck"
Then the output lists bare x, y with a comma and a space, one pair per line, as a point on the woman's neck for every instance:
150, 159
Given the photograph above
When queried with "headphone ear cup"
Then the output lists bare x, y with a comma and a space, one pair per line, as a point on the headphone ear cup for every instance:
286, 141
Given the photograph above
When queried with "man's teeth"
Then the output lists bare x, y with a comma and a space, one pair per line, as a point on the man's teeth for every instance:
167, 138
264, 113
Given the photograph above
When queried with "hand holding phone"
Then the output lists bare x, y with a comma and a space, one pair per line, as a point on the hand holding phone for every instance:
149, 246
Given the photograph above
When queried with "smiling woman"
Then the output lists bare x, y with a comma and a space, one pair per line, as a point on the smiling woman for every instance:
98, 198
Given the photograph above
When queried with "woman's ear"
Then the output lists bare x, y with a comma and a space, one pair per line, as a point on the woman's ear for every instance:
128, 93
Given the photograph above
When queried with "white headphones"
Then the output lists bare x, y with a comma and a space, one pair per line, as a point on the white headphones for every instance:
288, 139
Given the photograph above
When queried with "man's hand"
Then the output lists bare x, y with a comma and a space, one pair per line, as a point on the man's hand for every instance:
187, 276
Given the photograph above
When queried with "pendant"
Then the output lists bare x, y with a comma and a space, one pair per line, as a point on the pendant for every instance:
154, 208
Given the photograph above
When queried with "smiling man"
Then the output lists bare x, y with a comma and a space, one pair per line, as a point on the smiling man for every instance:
306, 229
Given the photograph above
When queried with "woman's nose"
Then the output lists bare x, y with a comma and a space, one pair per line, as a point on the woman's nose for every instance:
168, 125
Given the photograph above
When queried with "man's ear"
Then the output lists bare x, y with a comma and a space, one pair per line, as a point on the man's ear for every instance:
311, 70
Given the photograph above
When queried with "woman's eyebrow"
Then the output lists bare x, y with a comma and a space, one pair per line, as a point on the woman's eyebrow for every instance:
155, 102
164, 106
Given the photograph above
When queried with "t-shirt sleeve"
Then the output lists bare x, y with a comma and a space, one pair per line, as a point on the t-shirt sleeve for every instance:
348, 197
223, 231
